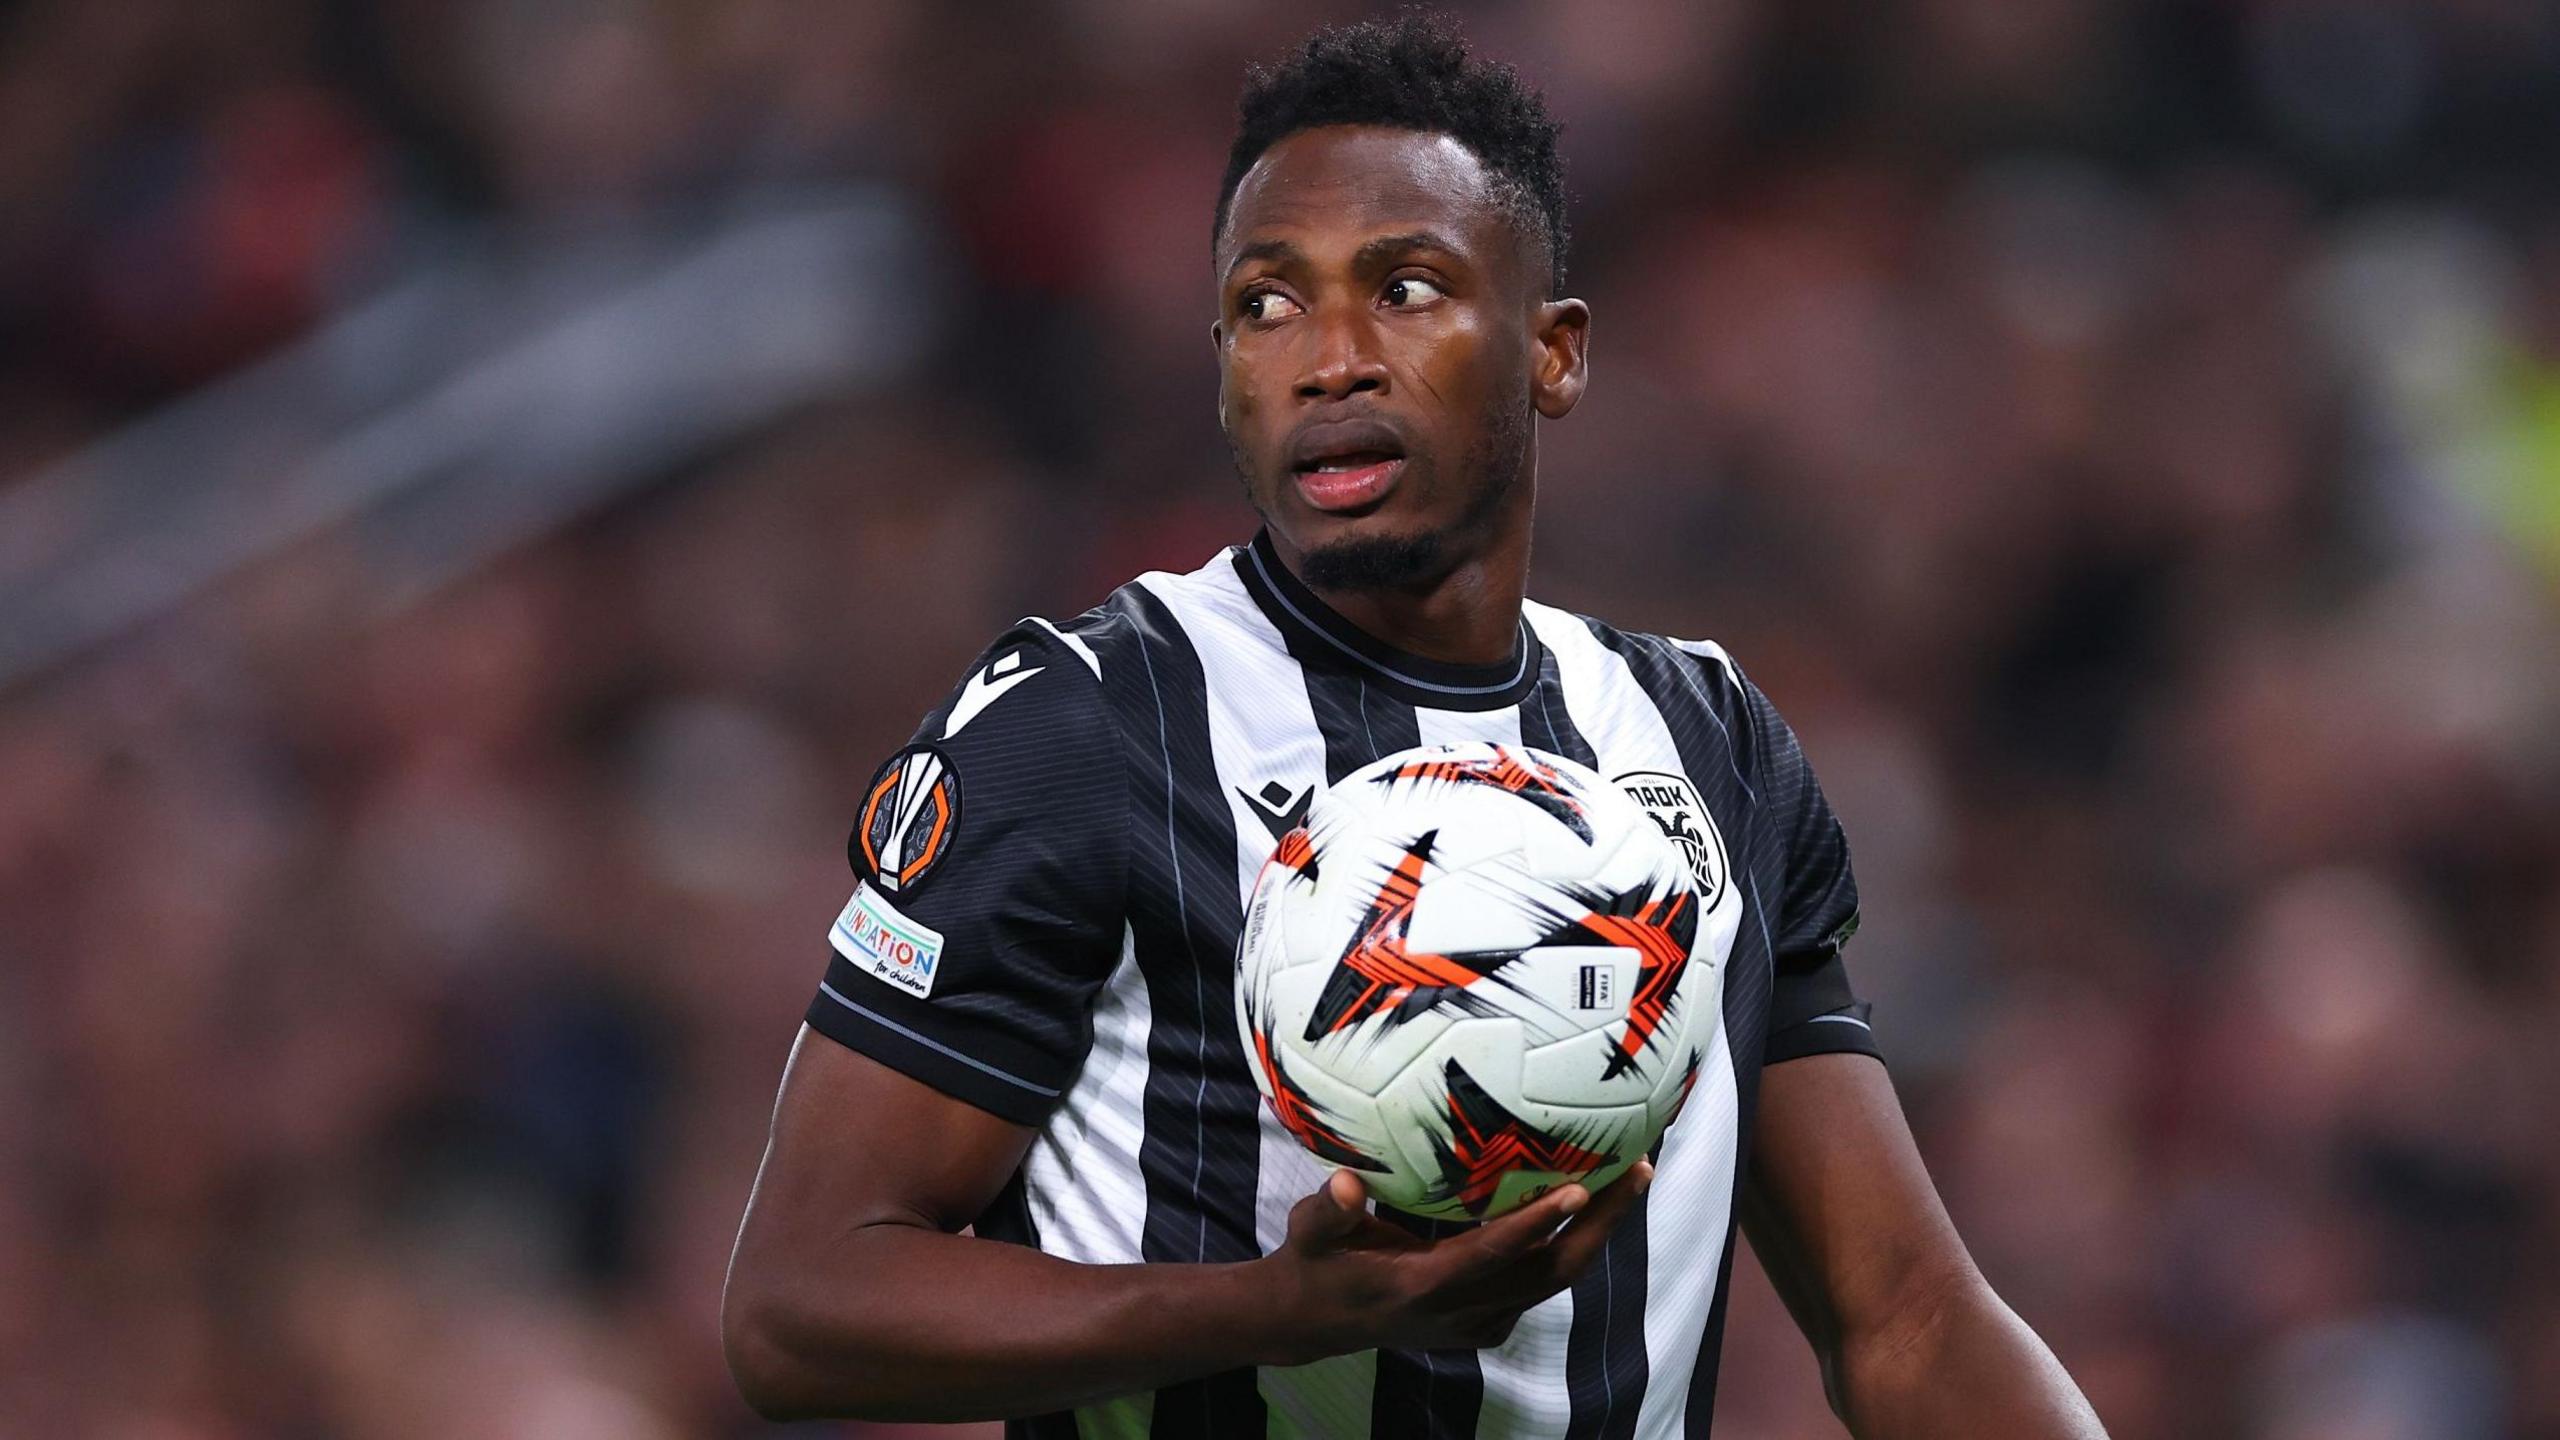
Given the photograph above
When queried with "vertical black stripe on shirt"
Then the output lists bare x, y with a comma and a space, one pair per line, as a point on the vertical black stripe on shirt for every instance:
1701, 704
1060, 1426
1605, 1367
1201, 1152
1546, 723
1360, 722
1424, 1394
1008, 1216
1702, 709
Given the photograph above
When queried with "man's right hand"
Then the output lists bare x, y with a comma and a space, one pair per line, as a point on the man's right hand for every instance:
1355, 1282
850, 1295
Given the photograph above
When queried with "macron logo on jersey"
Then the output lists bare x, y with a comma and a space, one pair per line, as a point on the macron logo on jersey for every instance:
987, 687
1280, 809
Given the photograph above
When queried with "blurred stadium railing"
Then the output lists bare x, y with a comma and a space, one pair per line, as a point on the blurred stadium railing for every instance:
476, 404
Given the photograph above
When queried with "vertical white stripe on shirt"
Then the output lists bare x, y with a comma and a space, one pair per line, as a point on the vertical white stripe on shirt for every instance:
1081, 1177
1263, 730
1690, 1205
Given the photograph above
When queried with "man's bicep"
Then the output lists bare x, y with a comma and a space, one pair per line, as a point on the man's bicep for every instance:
855, 1142
1839, 1207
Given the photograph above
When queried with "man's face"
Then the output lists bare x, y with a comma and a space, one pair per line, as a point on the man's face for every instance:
1383, 341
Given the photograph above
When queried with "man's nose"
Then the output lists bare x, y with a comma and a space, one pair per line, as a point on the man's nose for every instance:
1346, 360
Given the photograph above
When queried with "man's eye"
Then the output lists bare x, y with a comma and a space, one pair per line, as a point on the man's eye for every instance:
1268, 305
1412, 290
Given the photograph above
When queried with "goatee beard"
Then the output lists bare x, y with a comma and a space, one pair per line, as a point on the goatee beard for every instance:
1376, 562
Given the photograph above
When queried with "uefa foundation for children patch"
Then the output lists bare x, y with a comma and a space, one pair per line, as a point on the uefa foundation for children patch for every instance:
873, 936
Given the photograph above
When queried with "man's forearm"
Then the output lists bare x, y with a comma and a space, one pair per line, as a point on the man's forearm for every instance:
1961, 1367
915, 1324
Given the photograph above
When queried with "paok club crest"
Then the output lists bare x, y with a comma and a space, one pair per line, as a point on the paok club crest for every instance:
1673, 805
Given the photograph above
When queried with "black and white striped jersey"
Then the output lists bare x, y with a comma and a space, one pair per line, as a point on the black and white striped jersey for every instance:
1052, 878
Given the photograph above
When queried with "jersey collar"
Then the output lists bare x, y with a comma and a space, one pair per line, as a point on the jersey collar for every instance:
1317, 635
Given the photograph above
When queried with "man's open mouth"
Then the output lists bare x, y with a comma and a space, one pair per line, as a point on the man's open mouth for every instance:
1349, 465
1349, 482
1342, 464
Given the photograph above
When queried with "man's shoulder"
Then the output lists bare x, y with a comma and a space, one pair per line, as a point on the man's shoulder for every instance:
1148, 607
1015, 663
1097, 655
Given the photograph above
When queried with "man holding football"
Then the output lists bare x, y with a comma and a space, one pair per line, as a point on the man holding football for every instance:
1027, 1024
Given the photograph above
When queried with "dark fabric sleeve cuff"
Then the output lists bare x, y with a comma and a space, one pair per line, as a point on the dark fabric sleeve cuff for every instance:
1844, 1032
1812, 1011
1808, 985
857, 1015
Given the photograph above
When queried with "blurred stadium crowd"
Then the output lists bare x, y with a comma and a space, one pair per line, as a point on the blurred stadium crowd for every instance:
2124, 436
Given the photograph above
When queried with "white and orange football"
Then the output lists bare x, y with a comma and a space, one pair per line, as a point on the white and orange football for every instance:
1471, 976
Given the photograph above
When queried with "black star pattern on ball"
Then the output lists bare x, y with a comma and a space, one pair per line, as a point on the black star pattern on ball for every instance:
1486, 1142
1378, 972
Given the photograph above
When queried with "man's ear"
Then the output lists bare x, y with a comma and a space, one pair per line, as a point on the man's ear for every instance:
1563, 338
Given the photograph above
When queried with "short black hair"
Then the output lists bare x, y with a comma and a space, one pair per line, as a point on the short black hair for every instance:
1410, 73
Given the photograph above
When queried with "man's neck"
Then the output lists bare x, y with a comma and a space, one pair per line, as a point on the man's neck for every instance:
1469, 616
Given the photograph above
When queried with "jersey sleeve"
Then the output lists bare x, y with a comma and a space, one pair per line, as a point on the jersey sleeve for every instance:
990, 865
1812, 1008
